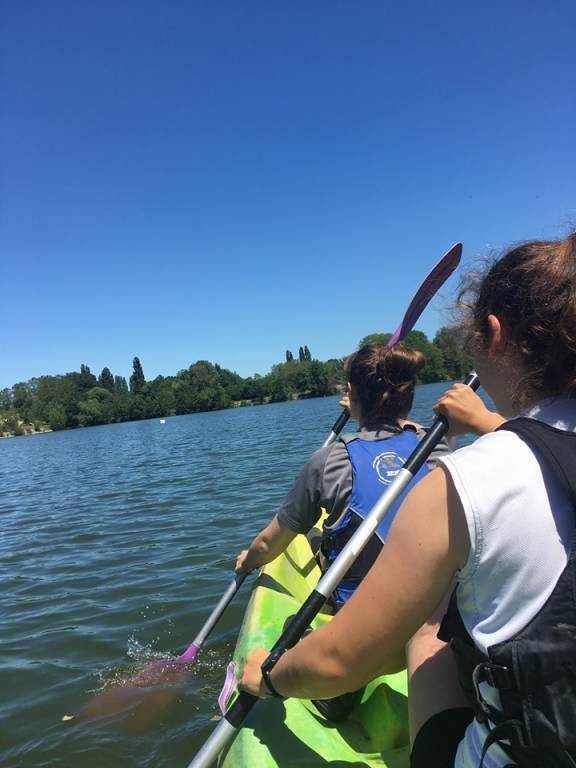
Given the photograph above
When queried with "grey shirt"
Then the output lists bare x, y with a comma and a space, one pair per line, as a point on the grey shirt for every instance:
325, 482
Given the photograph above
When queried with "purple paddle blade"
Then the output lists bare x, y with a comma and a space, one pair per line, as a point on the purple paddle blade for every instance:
189, 654
437, 277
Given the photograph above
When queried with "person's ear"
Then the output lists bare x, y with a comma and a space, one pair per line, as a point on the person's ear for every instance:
497, 336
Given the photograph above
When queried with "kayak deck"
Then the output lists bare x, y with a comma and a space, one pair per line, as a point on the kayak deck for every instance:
292, 732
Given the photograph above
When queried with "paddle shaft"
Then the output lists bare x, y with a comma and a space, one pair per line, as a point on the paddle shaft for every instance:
219, 609
190, 652
236, 714
337, 427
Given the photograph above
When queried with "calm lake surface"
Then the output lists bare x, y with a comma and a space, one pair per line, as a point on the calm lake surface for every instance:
115, 544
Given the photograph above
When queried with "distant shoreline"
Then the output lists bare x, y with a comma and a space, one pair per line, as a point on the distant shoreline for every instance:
82, 399
28, 433
29, 430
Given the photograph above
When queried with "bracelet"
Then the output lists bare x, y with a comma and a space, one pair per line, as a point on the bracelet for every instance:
266, 668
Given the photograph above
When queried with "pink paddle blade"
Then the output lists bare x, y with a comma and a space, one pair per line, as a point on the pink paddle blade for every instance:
437, 277
189, 654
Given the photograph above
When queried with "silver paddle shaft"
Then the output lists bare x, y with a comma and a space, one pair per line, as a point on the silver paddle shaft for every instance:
212, 620
219, 738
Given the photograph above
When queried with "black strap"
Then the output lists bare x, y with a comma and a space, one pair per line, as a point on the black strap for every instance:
268, 683
511, 730
556, 446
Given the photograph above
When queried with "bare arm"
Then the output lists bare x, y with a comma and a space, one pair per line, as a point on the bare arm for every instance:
268, 544
427, 543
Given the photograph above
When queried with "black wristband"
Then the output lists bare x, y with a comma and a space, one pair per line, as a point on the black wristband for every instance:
266, 669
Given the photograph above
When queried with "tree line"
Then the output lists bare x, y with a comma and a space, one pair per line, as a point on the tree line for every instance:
82, 399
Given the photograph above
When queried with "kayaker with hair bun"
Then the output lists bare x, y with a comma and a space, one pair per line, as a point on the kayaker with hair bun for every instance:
498, 517
347, 477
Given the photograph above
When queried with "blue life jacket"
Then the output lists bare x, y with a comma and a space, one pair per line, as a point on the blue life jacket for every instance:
375, 464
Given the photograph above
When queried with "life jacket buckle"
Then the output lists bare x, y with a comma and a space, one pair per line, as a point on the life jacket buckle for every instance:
496, 675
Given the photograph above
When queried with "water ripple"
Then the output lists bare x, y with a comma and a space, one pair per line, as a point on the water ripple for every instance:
115, 544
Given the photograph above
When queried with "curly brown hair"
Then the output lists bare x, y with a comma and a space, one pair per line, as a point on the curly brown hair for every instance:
532, 288
385, 379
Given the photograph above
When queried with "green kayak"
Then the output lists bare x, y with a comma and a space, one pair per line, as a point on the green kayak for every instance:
292, 733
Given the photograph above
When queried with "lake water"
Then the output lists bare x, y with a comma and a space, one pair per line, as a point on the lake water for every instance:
115, 544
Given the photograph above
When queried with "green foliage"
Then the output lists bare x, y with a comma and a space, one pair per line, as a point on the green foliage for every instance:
137, 379
56, 416
106, 379
374, 338
451, 342
433, 370
80, 399
304, 355
9, 421
446, 356
85, 378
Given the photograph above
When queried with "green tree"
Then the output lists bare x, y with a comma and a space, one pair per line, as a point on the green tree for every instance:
301, 357
289, 356
5, 399
137, 379
97, 408
56, 416
319, 379
120, 384
307, 355
106, 380
21, 396
375, 338
434, 369
86, 379
336, 376
278, 390
90, 412
456, 358
138, 408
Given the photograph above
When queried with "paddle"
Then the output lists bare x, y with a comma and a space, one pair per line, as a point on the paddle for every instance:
429, 287
113, 702
154, 671
432, 282
244, 702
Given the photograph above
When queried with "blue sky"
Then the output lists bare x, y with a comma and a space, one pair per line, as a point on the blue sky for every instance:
228, 180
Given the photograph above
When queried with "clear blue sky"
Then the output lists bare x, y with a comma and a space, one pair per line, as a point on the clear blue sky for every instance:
226, 180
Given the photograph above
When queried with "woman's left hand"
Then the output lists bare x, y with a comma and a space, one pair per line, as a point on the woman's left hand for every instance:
251, 680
